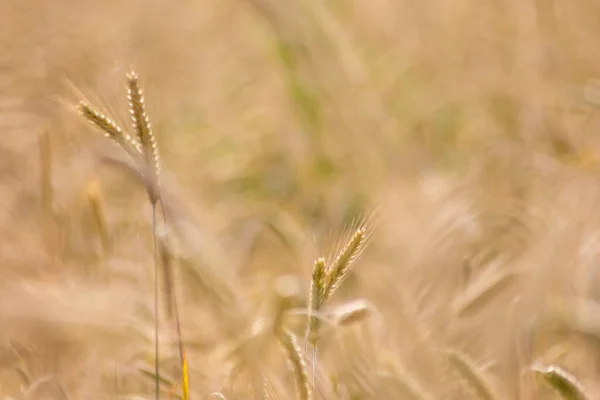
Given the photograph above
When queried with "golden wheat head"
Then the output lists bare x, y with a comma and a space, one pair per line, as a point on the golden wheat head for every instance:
143, 129
109, 128
471, 375
342, 265
562, 382
317, 297
297, 363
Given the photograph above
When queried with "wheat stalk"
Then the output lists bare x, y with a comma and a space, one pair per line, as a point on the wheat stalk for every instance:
143, 150
171, 305
142, 128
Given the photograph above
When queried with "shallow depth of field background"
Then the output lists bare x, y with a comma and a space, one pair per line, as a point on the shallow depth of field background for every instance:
469, 130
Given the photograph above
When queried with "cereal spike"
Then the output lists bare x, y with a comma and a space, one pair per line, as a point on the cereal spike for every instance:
94, 195
297, 363
142, 127
562, 381
471, 375
317, 294
108, 127
343, 262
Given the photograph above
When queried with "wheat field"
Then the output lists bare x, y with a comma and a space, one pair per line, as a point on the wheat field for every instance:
299, 199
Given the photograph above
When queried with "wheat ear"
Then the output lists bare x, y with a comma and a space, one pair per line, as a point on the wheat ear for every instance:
143, 130
110, 129
342, 265
325, 280
94, 195
562, 381
295, 358
471, 375
286, 291
317, 299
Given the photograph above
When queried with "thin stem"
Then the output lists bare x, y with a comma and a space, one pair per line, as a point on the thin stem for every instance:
314, 368
156, 367
182, 360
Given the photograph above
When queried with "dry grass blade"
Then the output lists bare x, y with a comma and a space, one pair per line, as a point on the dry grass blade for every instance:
143, 130
344, 261
471, 375
482, 292
168, 382
562, 381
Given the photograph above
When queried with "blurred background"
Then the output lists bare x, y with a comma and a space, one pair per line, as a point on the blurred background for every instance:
464, 133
